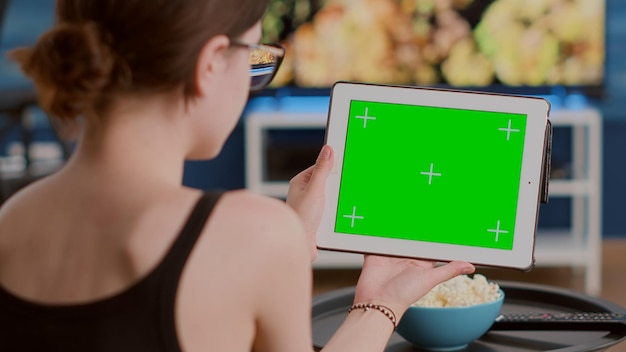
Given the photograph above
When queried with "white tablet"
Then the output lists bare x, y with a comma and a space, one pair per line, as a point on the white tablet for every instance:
435, 174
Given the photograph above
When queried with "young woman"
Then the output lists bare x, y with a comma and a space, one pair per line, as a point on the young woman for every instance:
112, 253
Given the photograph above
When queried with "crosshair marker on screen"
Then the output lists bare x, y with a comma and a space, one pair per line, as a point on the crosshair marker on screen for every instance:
365, 117
508, 130
497, 231
430, 173
353, 216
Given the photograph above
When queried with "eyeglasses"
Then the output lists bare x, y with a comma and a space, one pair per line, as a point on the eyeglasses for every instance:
265, 59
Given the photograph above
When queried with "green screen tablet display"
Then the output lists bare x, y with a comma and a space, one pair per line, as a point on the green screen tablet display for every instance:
431, 174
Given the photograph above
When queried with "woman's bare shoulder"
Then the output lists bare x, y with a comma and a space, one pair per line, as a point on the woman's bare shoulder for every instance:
22, 204
244, 210
247, 239
250, 262
255, 204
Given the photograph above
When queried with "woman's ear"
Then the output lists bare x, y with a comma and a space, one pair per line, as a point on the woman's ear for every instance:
211, 62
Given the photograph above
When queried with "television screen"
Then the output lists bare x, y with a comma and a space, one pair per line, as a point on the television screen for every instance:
496, 44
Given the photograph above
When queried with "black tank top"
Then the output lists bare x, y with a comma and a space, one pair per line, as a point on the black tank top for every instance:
141, 318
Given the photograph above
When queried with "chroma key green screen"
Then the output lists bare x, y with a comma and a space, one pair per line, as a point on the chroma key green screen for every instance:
431, 174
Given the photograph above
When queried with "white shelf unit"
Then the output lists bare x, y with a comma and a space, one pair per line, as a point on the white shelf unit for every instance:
578, 246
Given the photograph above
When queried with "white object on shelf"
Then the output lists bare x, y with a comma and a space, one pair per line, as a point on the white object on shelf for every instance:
578, 246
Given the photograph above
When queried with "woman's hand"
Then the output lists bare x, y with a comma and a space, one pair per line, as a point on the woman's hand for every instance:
397, 283
307, 195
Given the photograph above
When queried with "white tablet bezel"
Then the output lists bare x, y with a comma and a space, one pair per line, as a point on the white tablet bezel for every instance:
522, 254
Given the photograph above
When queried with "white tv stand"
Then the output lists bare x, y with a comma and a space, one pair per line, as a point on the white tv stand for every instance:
578, 246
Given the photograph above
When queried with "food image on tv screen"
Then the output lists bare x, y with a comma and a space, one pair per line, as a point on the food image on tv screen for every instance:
461, 43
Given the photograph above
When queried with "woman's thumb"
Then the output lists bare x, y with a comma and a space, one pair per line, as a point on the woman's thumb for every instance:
450, 270
323, 166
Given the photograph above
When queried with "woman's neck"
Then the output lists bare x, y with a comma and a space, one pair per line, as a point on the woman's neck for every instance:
140, 139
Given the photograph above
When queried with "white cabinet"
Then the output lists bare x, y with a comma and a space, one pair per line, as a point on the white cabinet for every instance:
578, 246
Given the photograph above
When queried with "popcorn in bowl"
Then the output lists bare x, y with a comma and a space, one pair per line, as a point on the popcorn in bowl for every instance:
453, 314
461, 291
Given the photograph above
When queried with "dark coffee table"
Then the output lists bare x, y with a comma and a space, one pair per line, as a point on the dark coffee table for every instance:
330, 309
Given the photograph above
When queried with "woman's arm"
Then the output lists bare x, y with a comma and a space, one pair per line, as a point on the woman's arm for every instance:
393, 283
284, 288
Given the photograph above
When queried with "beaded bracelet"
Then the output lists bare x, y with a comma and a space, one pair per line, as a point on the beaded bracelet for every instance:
386, 311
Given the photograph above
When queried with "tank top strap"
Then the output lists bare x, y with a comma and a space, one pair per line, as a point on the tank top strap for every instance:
196, 221
171, 268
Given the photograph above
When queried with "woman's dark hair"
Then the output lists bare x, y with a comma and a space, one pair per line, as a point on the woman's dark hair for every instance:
101, 48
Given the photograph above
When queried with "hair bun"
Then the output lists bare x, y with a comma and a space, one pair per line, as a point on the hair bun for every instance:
71, 66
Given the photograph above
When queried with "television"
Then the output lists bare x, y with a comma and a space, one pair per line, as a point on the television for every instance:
511, 46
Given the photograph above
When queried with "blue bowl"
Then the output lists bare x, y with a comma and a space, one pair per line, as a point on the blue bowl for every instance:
448, 328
